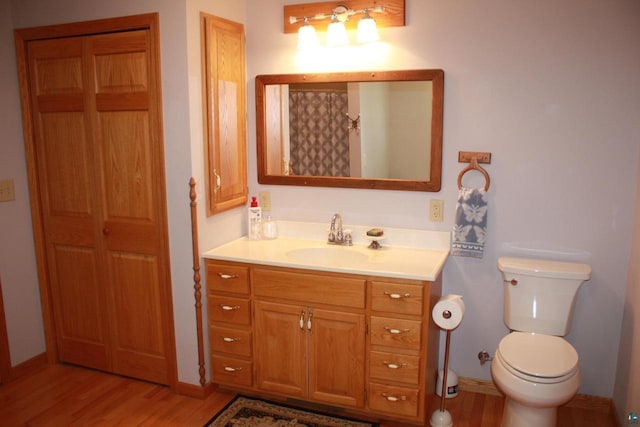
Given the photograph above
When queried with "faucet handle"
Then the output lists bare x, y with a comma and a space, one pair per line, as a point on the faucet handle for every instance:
348, 240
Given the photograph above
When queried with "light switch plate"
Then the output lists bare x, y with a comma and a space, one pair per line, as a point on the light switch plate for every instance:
7, 191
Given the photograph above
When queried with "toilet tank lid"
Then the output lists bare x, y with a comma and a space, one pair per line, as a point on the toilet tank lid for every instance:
545, 268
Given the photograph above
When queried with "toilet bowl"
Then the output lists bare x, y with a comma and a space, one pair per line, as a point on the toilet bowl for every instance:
537, 373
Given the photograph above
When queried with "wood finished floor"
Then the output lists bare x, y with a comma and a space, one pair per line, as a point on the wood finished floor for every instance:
60, 395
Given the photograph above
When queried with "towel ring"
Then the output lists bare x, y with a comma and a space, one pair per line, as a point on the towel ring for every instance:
473, 165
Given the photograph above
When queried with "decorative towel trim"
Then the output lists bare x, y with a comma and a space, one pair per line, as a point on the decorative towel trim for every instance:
470, 227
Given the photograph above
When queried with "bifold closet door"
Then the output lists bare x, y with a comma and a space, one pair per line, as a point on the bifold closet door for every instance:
100, 165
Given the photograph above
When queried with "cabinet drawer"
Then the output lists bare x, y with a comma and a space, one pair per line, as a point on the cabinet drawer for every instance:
394, 367
309, 288
228, 309
400, 333
396, 298
394, 400
227, 370
227, 278
232, 341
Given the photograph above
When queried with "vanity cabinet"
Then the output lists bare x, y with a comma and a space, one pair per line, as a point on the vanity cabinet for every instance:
310, 344
229, 324
398, 337
364, 344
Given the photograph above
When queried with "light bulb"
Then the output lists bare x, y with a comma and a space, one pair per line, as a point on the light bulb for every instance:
367, 29
336, 33
307, 37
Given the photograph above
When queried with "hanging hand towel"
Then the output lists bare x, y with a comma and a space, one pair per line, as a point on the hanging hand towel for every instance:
470, 223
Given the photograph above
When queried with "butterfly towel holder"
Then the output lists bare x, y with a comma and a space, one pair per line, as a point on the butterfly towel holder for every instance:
473, 158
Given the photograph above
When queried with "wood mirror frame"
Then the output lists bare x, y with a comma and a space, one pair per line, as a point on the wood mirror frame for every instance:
435, 172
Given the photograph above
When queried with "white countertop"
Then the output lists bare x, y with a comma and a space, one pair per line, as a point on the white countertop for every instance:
423, 260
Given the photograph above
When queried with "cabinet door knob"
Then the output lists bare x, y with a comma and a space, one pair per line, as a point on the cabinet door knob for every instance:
393, 365
217, 177
106, 231
392, 398
395, 331
393, 295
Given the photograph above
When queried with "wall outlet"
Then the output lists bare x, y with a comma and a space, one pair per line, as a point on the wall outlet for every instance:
7, 190
265, 200
436, 210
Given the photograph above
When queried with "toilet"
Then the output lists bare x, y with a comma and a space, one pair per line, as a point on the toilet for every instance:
535, 368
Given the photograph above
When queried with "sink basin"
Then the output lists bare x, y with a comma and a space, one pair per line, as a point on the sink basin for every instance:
331, 255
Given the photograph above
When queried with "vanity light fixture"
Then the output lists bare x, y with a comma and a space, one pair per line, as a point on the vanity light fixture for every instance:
338, 17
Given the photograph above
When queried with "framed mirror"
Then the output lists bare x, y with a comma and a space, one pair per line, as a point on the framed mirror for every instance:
378, 130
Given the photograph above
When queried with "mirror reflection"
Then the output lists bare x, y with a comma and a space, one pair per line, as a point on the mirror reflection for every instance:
363, 130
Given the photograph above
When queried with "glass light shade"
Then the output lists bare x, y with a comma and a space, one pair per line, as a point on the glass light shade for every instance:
307, 37
367, 30
337, 34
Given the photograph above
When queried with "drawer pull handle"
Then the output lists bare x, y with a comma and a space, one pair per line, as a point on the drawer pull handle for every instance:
391, 365
231, 369
395, 331
229, 339
227, 276
229, 307
392, 398
302, 319
393, 295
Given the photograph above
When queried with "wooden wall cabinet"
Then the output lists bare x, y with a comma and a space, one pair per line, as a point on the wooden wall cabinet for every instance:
361, 344
224, 102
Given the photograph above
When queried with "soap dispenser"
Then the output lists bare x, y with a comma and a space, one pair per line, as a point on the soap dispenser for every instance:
254, 220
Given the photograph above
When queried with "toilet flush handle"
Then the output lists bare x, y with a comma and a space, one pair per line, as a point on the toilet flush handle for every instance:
513, 282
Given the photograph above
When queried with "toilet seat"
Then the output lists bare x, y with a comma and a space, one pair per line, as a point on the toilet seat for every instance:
538, 358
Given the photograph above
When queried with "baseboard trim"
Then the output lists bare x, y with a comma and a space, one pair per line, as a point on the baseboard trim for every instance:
581, 401
196, 391
27, 366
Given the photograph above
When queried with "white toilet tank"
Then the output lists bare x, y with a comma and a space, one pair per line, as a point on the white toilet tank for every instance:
539, 295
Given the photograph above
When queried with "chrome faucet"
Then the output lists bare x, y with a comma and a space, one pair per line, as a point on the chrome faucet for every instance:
336, 233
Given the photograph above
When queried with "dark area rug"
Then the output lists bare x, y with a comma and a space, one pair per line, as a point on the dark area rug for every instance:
244, 411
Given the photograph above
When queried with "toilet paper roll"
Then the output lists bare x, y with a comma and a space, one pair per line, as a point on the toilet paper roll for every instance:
448, 311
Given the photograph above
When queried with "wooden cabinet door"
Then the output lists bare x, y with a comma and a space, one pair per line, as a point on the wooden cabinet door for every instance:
224, 82
100, 168
337, 358
280, 351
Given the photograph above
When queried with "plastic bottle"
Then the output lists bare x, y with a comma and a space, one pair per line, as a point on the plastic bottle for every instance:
254, 220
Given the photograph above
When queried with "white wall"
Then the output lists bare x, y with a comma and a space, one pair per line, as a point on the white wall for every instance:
17, 257
626, 394
550, 88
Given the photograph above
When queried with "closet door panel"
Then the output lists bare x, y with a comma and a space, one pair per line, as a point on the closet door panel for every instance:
70, 214
132, 186
81, 328
137, 328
